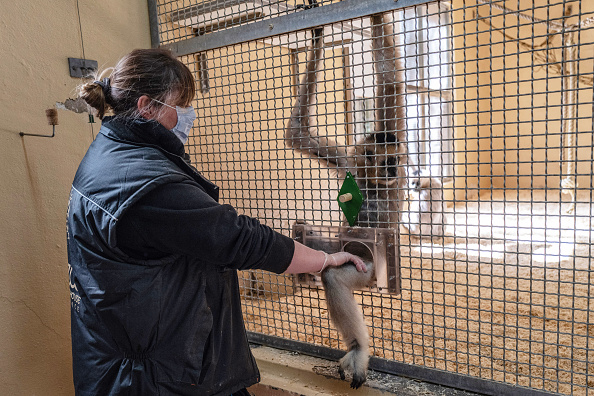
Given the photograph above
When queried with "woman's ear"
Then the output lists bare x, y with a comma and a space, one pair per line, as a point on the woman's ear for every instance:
144, 107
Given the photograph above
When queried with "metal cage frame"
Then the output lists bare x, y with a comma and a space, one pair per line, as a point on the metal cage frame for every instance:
511, 173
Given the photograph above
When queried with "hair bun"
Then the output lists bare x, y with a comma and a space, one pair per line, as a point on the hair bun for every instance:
96, 95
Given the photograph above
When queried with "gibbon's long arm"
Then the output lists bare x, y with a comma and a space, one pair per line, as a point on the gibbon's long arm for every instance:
301, 133
390, 88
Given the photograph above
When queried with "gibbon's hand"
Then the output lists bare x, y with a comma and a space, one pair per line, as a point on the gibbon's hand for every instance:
340, 258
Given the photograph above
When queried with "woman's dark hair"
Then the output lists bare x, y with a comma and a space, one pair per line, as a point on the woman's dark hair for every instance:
152, 72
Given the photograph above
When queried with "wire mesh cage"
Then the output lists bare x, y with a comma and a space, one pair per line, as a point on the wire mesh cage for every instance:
490, 197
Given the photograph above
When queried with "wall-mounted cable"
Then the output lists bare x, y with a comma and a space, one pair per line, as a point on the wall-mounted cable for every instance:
82, 43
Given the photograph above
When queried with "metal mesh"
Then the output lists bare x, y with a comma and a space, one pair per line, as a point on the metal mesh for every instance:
211, 16
499, 104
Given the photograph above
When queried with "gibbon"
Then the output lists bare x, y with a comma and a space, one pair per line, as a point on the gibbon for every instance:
377, 166
424, 216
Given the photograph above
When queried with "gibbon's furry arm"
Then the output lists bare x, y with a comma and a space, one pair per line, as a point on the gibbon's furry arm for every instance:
374, 162
301, 133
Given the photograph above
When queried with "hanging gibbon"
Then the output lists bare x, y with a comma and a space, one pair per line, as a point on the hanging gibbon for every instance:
377, 163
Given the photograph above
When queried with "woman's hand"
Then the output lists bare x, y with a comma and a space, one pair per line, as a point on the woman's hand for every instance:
340, 258
306, 259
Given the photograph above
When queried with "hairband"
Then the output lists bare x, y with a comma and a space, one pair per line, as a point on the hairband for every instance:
105, 86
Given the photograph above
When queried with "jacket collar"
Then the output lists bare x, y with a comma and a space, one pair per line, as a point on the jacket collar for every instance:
145, 132
142, 131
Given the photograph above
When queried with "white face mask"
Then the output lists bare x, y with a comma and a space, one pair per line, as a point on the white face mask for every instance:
185, 121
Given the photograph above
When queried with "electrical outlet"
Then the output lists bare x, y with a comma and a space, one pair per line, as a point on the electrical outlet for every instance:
82, 68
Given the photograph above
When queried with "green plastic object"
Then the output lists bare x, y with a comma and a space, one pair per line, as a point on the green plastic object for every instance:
352, 197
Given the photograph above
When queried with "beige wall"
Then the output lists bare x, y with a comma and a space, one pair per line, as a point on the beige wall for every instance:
519, 109
37, 37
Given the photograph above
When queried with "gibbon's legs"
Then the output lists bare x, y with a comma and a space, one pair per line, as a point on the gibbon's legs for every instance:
339, 283
374, 162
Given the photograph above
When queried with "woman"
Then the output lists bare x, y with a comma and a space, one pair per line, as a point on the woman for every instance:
153, 257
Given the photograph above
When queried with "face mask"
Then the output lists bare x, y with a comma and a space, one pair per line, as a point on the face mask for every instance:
185, 121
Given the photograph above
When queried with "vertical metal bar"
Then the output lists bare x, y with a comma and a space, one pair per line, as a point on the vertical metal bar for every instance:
294, 62
347, 94
153, 23
201, 62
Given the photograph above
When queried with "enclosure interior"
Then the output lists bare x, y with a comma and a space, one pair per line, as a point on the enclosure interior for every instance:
499, 103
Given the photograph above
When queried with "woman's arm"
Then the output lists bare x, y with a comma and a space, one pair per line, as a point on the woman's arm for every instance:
179, 219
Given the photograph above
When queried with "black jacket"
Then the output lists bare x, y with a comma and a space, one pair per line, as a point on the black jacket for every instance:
150, 318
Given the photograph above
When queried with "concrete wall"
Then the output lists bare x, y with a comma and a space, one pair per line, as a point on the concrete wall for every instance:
38, 37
